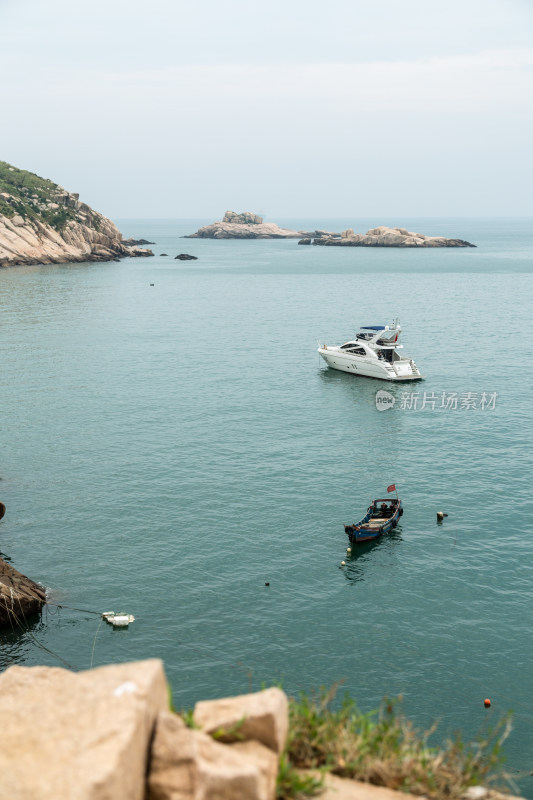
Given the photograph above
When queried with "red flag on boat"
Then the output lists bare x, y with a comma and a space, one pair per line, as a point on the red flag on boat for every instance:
391, 488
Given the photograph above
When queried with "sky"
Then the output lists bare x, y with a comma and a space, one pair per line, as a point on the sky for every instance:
290, 109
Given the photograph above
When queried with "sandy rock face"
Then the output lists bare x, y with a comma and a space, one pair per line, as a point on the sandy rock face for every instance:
189, 765
263, 716
81, 736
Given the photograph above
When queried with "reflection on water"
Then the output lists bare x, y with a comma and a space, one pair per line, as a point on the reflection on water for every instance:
16, 642
368, 555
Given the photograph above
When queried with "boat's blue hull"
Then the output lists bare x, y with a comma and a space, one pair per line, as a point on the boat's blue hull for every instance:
365, 531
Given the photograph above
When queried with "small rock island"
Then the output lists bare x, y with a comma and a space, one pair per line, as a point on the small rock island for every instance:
243, 226
251, 226
387, 237
41, 223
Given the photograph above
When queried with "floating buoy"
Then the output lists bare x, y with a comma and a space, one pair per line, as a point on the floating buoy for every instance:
348, 549
440, 516
267, 583
118, 620
343, 563
487, 703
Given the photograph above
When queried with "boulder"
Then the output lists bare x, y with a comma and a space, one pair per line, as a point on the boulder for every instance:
186, 257
304, 241
20, 597
262, 716
246, 218
188, 764
83, 736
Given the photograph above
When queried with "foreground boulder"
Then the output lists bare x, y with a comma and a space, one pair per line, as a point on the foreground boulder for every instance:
263, 716
83, 736
189, 765
388, 237
41, 223
243, 226
20, 597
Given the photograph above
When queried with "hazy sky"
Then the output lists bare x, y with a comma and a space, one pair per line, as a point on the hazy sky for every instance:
343, 108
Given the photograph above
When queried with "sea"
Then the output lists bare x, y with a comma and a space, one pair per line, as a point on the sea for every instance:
173, 447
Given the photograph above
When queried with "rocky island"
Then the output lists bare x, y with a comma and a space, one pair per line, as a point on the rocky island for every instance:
251, 226
387, 237
243, 226
41, 223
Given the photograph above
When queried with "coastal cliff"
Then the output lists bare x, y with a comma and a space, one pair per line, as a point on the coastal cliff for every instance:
41, 223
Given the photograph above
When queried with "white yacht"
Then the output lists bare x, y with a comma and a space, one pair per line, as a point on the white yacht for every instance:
374, 352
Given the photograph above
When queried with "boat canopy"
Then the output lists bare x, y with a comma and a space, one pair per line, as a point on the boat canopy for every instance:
372, 327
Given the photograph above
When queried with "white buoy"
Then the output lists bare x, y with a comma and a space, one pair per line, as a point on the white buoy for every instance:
343, 563
348, 549
440, 516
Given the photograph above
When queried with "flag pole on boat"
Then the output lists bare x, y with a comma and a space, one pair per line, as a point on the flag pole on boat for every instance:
392, 488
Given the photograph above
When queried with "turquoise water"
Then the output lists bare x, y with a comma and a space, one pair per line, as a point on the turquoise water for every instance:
169, 449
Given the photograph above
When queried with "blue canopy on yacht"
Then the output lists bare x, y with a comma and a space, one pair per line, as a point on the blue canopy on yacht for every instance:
373, 327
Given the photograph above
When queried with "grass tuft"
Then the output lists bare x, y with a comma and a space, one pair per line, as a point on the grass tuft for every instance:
382, 748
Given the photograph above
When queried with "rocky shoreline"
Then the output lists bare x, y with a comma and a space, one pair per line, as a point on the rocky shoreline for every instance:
41, 223
116, 737
251, 226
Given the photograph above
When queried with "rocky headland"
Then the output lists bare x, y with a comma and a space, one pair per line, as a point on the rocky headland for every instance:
41, 223
243, 226
251, 226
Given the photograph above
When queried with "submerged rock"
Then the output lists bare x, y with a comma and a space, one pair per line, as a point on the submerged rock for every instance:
186, 257
20, 597
132, 242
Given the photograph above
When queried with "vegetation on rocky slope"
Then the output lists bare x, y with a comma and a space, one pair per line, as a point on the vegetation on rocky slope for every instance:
27, 195
381, 748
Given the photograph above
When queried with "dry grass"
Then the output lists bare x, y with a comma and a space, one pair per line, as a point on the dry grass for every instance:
384, 749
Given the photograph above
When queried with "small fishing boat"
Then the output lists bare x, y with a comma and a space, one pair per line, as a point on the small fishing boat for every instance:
381, 517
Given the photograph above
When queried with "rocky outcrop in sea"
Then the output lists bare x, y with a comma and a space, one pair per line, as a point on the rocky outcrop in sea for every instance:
387, 237
251, 226
243, 226
41, 223
20, 597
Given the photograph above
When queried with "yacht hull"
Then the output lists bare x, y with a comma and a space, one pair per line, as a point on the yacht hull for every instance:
367, 368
